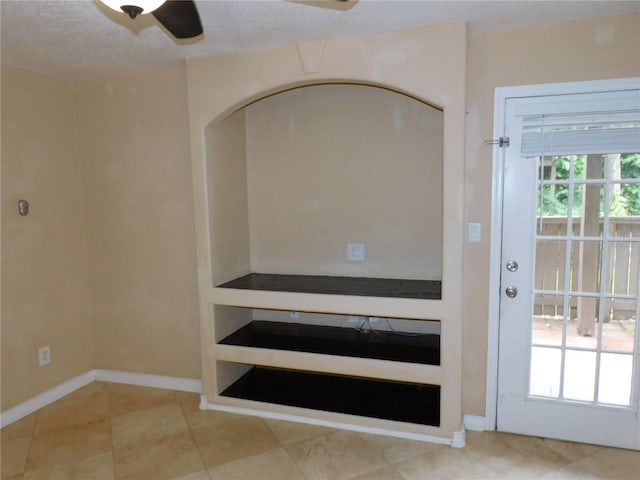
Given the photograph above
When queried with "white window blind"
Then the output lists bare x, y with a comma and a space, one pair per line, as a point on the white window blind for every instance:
584, 133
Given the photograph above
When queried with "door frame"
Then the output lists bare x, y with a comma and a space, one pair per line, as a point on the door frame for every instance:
502, 94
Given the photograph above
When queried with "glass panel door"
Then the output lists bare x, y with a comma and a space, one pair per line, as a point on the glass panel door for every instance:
587, 263
568, 363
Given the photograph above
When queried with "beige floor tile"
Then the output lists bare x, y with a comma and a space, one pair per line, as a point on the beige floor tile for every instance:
13, 456
508, 455
336, 456
234, 439
69, 444
163, 434
201, 475
537, 448
164, 458
125, 399
444, 463
382, 474
572, 450
72, 411
93, 387
147, 425
613, 463
269, 465
186, 397
571, 472
98, 467
291, 432
20, 428
197, 418
396, 450
616, 456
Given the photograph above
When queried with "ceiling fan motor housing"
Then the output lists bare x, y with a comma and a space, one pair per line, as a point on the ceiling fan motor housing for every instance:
132, 10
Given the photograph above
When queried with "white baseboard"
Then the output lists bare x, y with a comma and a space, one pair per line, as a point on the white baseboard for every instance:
454, 442
148, 380
114, 376
475, 423
45, 398
459, 439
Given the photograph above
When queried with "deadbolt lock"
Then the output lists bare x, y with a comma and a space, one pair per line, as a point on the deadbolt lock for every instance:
511, 291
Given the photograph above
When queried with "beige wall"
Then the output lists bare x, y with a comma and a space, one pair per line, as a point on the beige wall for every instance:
590, 50
227, 186
134, 142
330, 165
45, 297
106, 167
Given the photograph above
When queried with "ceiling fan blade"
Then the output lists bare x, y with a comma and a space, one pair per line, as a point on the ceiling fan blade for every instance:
180, 17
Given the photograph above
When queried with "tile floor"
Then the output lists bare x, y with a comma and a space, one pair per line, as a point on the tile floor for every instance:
108, 431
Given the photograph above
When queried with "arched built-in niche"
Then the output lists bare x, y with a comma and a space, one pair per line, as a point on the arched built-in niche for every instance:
425, 63
297, 176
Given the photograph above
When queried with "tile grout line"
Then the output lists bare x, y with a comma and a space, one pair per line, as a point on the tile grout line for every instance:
284, 448
32, 434
193, 439
113, 449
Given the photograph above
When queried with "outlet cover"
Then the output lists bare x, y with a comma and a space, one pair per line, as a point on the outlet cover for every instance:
355, 252
44, 355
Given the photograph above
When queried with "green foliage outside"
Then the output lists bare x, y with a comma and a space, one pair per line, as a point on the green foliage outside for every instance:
623, 200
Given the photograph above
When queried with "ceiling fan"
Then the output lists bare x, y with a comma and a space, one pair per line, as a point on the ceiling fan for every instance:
181, 17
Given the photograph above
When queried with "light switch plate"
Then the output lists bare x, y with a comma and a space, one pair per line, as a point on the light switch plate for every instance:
475, 232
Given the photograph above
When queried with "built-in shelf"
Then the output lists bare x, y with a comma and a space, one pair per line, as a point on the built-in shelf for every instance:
384, 345
361, 286
396, 401
378, 391
272, 201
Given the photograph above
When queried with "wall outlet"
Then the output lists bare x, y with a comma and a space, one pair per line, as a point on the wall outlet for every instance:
355, 252
44, 355
362, 321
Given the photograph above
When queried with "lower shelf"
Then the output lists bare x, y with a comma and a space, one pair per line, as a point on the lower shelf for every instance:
396, 401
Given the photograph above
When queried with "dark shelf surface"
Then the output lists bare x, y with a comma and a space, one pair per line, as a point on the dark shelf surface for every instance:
402, 402
373, 287
297, 337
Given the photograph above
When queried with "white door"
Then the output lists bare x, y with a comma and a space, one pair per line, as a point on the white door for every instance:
568, 363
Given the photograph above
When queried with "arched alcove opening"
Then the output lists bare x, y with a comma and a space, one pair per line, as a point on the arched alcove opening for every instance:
284, 179
296, 177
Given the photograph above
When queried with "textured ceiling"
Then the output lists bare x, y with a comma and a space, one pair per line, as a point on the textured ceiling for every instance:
84, 39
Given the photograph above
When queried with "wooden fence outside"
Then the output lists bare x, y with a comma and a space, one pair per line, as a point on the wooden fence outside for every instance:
620, 269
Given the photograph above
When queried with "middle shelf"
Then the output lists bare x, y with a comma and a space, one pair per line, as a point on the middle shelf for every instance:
423, 348
387, 348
